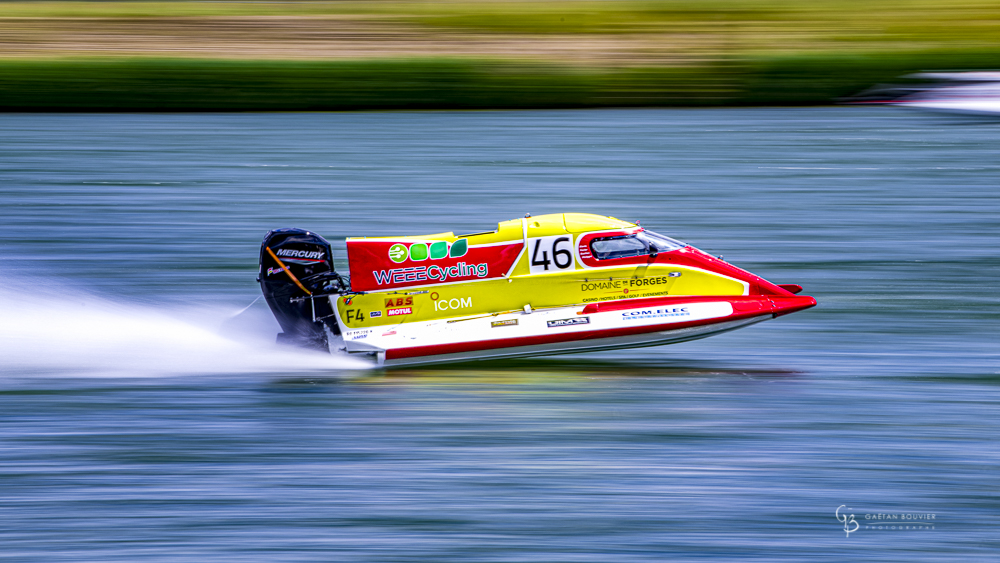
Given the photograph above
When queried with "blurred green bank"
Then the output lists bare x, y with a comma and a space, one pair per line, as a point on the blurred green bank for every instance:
233, 85
470, 54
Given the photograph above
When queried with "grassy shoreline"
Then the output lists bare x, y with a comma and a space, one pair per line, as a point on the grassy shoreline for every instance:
475, 54
157, 84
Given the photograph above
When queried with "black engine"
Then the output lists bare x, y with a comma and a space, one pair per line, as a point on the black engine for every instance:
296, 273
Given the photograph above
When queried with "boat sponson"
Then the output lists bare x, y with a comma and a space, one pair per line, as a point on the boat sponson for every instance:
744, 307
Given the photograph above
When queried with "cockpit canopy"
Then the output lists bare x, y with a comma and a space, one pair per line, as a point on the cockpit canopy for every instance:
639, 244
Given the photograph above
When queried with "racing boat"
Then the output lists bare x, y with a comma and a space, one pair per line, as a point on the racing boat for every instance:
552, 284
966, 93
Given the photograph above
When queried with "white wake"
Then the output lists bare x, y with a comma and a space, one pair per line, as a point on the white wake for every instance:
65, 333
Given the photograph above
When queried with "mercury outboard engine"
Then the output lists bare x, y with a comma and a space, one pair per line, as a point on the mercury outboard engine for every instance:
296, 274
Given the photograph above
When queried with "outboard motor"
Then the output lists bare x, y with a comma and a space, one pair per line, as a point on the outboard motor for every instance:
296, 274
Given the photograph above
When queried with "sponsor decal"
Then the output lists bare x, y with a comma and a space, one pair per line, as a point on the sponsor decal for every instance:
274, 271
437, 250
508, 322
453, 303
374, 267
625, 296
642, 282
569, 322
400, 311
390, 333
613, 285
432, 273
374, 314
357, 334
292, 253
655, 313
397, 253
398, 301
602, 285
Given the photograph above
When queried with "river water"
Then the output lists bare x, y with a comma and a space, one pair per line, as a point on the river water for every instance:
140, 420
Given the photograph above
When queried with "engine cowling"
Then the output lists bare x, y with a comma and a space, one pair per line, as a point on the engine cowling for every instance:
296, 272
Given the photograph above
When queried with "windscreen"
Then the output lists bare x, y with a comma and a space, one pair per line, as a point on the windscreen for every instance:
639, 244
660, 242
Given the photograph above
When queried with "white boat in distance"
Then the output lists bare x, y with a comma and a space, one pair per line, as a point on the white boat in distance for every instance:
965, 93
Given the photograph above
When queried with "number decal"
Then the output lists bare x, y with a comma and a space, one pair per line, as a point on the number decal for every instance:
551, 254
557, 252
544, 262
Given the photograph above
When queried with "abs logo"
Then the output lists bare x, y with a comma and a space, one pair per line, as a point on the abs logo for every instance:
420, 251
398, 301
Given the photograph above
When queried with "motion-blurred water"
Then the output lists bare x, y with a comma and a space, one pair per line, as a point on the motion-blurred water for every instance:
140, 422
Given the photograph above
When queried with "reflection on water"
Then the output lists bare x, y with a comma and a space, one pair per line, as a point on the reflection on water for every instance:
528, 370
130, 241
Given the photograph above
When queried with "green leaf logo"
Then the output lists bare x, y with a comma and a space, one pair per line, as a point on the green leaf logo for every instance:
459, 248
439, 250
418, 251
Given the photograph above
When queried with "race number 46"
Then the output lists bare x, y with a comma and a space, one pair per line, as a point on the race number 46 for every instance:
550, 254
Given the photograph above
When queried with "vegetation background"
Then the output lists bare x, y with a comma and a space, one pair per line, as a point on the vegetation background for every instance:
303, 55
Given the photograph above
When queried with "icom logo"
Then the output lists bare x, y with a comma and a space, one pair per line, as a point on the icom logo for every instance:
419, 251
450, 304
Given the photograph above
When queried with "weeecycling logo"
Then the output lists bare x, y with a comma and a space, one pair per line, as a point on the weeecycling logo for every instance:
433, 273
419, 251
850, 524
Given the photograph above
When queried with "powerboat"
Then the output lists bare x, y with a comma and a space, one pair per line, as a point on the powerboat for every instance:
553, 284
965, 93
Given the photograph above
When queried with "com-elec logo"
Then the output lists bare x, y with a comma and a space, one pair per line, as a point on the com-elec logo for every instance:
422, 251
